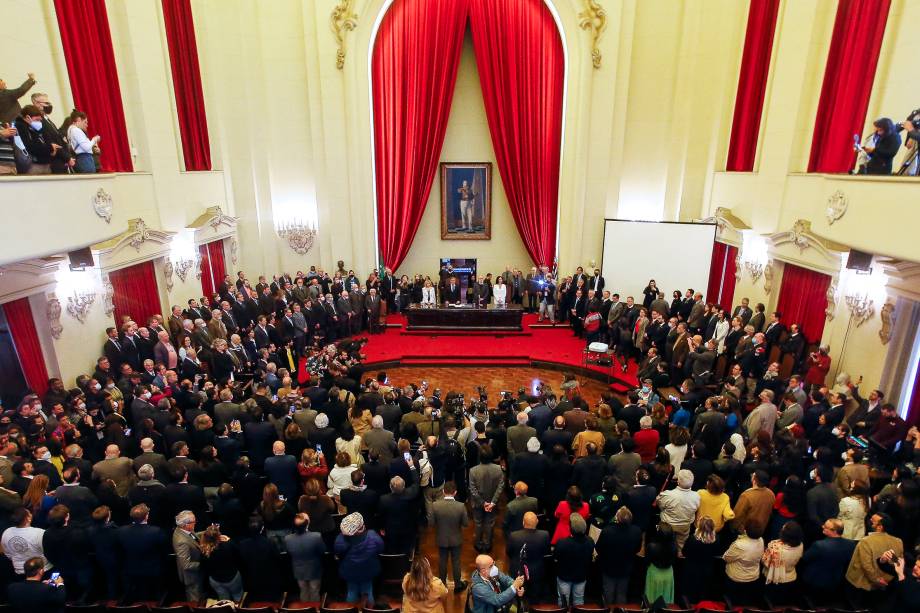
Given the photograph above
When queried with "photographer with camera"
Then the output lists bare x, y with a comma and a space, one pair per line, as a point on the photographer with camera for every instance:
911, 164
493, 591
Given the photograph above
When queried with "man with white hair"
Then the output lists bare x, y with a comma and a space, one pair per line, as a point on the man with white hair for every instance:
519, 434
188, 555
678, 507
114, 467
380, 440
763, 418
281, 469
164, 352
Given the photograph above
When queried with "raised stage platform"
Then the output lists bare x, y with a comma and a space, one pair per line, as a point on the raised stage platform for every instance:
498, 319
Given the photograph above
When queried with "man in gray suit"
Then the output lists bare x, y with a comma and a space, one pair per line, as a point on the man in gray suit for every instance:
381, 440
305, 417
522, 503
449, 521
487, 481
226, 410
188, 555
519, 435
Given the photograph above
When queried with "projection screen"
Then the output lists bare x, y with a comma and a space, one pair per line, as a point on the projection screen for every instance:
677, 255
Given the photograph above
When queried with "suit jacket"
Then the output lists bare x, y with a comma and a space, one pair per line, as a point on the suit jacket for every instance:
757, 320
744, 313
143, 548
538, 547
37, 596
680, 351
113, 351
188, 557
282, 471
120, 470
451, 294
80, 501
449, 520
514, 513
596, 283
217, 329
486, 484
696, 314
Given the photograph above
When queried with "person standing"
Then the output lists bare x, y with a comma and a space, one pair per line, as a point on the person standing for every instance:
487, 481
306, 549
450, 519
358, 550
188, 555
573, 558
422, 591
867, 580
493, 590
33, 594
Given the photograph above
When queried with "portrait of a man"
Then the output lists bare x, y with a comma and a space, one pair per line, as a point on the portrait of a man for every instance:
466, 201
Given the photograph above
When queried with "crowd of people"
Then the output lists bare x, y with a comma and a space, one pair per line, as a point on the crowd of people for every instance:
242, 432
878, 149
32, 144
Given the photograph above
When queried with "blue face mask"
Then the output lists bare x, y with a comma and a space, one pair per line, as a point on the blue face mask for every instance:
36, 125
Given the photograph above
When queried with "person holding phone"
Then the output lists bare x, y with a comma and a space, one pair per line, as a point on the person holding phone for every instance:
33, 594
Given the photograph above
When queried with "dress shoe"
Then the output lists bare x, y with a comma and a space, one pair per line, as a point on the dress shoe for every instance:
460, 587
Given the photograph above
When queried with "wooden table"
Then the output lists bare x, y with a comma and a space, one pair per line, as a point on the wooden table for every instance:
501, 319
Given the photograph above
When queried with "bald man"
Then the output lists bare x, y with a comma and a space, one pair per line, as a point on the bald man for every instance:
493, 589
537, 543
114, 467
281, 470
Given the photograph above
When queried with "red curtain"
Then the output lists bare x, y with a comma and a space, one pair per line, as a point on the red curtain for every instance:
803, 299
522, 70
848, 77
207, 281
721, 287
752, 83
716, 272
413, 71
84, 28
218, 266
28, 349
135, 293
183, 60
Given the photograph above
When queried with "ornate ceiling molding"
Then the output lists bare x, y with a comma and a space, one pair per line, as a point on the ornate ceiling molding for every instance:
103, 205
137, 234
837, 205
802, 237
728, 226
887, 315
593, 19
168, 274
53, 314
342, 20
108, 295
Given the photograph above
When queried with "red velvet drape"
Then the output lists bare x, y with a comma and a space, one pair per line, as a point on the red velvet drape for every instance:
218, 266
84, 28
207, 281
183, 60
522, 71
28, 349
135, 293
413, 71
752, 83
848, 77
721, 287
803, 299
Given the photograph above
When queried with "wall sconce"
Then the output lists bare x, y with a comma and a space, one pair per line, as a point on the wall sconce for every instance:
79, 288
863, 290
183, 256
295, 223
754, 255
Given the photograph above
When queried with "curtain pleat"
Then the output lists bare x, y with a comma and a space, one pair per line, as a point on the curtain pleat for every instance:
28, 349
135, 293
803, 300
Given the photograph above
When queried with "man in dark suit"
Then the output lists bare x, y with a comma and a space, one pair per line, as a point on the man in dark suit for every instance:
78, 499
774, 330
281, 470
395, 507
112, 350
450, 519
521, 504
33, 594
182, 495
537, 547
825, 562
143, 547
361, 499
743, 311
794, 345
578, 311
596, 283
451, 291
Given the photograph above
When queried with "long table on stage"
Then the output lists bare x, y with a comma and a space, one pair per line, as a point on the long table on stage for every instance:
464, 317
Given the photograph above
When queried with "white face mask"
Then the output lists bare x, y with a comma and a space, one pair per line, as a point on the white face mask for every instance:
813, 475
836, 431
82, 406
110, 386
46, 456
493, 572
146, 395
38, 407
97, 387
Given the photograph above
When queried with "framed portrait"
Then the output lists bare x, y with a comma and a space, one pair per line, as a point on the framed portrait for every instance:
466, 201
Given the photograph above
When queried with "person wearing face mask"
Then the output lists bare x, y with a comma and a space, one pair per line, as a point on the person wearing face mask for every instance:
491, 589
40, 147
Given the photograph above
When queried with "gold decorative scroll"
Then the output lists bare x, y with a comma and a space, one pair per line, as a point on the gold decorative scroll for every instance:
342, 19
594, 20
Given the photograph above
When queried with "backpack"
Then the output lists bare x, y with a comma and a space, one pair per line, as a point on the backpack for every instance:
456, 457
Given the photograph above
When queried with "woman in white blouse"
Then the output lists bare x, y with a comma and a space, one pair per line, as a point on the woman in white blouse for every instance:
500, 292
853, 509
82, 146
722, 326
742, 565
428, 297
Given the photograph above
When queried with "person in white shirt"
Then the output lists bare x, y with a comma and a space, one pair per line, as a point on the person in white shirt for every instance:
722, 327
500, 292
22, 541
428, 295
82, 146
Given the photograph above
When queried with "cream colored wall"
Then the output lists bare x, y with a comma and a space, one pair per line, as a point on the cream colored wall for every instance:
467, 140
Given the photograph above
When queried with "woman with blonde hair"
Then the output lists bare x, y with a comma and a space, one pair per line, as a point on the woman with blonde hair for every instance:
422, 591
312, 466
220, 562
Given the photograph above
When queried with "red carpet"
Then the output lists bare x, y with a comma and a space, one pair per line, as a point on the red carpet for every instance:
556, 345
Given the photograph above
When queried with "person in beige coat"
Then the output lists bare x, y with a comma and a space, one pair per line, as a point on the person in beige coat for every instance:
114, 467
